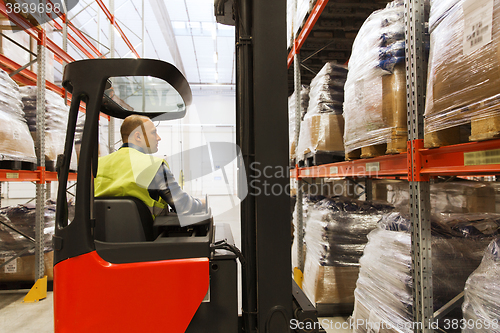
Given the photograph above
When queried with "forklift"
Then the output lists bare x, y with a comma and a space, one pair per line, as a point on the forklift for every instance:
118, 270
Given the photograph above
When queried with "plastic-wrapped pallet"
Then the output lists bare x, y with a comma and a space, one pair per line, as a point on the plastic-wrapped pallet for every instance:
482, 292
308, 203
335, 236
460, 196
463, 83
384, 287
304, 102
375, 109
56, 122
323, 125
22, 217
16, 143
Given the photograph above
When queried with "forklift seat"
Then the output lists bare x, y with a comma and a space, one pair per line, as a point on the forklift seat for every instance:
122, 219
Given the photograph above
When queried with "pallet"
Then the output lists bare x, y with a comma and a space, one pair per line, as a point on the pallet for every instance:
397, 144
321, 157
449, 136
17, 165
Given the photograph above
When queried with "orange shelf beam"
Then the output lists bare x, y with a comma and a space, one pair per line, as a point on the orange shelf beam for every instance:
306, 30
31, 176
467, 159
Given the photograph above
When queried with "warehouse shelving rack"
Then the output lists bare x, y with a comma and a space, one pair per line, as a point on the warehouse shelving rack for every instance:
24, 76
417, 164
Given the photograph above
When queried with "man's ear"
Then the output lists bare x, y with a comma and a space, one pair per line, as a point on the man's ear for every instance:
136, 135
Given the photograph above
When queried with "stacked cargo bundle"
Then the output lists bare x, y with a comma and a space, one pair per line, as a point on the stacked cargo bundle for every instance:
56, 120
482, 291
464, 72
384, 287
16, 144
321, 131
335, 236
375, 91
459, 196
304, 102
22, 218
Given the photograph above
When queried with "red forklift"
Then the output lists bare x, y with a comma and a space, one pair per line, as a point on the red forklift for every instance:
118, 270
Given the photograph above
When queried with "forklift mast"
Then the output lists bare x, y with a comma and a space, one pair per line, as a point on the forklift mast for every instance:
262, 135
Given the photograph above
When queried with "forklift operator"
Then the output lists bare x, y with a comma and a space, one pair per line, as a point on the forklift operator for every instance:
133, 171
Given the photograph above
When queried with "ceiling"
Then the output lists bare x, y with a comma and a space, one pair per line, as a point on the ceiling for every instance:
183, 32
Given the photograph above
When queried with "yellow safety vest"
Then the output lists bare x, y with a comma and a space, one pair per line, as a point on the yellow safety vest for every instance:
129, 172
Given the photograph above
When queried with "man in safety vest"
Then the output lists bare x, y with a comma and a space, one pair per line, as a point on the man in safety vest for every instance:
132, 171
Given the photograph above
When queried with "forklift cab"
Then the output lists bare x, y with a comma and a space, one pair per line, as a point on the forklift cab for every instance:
115, 268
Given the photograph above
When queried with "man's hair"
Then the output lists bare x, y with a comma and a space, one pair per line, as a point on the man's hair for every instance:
131, 124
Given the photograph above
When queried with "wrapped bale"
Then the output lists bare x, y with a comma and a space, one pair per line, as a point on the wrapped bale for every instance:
308, 203
460, 196
16, 143
56, 123
304, 102
463, 83
335, 235
323, 125
22, 218
375, 110
296, 17
384, 287
482, 292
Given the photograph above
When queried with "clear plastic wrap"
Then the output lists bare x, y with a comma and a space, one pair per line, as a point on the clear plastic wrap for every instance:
304, 102
463, 83
384, 287
56, 121
294, 22
327, 90
16, 143
461, 196
22, 217
482, 291
321, 132
375, 90
335, 236
323, 125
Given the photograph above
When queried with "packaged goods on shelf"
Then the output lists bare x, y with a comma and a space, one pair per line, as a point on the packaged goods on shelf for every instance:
296, 17
308, 201
304, 102
323, 125
56, 121
463, 83
22, 218
375, 110
384, 287
460, 196
16, 143
482, 291
335, 236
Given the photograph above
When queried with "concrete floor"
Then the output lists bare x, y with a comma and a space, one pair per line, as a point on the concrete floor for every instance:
18, 317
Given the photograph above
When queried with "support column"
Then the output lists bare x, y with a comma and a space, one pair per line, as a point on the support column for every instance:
40, 147
416, 73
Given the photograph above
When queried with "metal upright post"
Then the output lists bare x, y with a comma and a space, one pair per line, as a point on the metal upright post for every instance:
40, 147
111, 123
416, 69
298, 112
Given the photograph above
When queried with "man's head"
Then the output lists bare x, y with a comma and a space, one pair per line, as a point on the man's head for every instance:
140, 131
